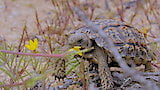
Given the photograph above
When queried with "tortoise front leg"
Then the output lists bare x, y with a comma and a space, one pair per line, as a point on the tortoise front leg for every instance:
103, 69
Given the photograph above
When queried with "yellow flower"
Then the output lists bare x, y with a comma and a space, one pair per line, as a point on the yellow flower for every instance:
144, 31
33, 44
76, 49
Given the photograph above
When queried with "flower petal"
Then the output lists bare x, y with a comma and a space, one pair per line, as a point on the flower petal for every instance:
71, 49
76, 49
31, 42
27, 46
80, 54
36, 42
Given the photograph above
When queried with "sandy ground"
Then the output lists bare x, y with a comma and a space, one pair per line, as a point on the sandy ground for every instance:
15, 13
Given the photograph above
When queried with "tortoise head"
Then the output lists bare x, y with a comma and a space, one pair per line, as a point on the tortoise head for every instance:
79, 39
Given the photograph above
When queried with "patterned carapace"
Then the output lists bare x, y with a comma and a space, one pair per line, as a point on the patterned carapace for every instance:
128, 40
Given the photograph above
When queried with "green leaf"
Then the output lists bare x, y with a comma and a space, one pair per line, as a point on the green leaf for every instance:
71, 69
32, 81
5, 88
8, 73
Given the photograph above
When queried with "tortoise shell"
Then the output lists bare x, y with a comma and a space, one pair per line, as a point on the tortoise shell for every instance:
128, 40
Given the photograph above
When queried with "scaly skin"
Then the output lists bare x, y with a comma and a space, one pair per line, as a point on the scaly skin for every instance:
103, 69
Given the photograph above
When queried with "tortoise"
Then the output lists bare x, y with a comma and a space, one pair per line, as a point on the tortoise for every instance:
128, 40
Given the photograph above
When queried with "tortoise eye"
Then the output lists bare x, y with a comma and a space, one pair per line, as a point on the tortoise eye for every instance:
80, 41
